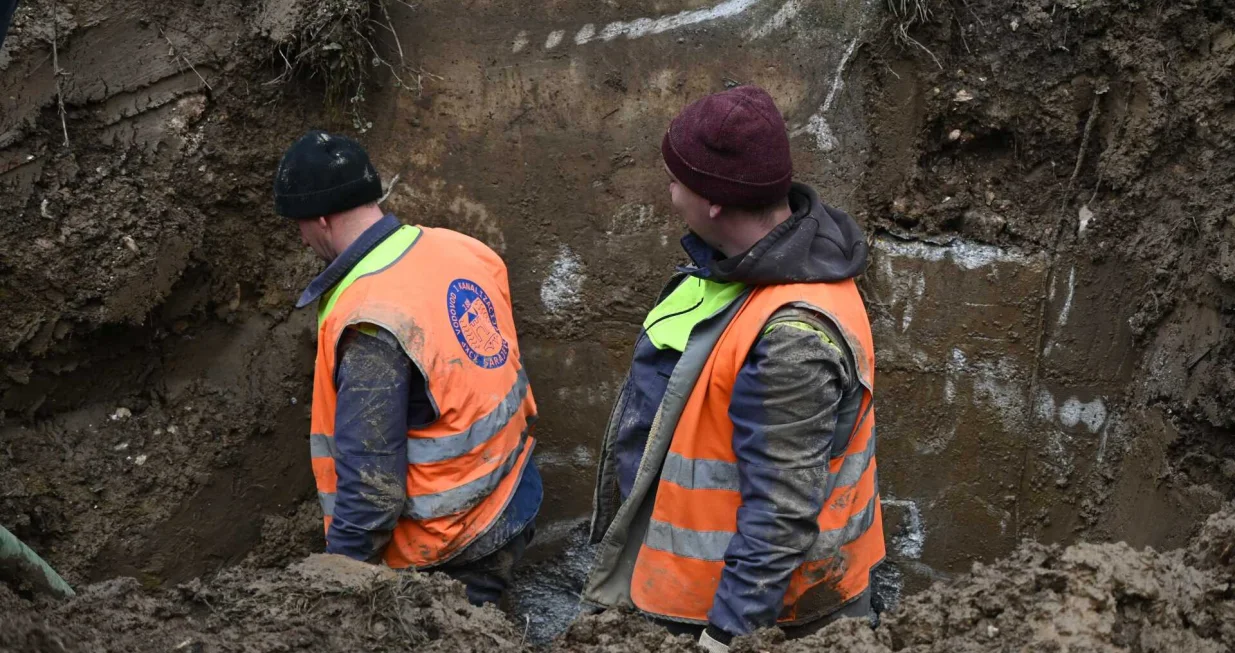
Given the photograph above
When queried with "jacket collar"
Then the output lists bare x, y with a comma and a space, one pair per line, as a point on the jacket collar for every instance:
338, 268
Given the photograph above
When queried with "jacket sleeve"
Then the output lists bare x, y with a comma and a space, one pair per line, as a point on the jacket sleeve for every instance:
371, 422
783, 407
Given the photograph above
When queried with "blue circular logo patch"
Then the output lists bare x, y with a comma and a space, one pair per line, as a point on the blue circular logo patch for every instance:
475, 324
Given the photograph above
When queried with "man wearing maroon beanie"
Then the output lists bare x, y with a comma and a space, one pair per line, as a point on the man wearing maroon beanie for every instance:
737, 485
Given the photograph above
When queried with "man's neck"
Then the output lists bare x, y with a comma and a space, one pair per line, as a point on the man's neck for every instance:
351, 225
748, 230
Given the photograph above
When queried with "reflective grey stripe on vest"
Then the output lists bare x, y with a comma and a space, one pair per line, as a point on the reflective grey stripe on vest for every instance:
458, 499
433, 450
828, 544
327, 501
711, 545
853, 468
322, 446
608, 583
700, 473
706, 474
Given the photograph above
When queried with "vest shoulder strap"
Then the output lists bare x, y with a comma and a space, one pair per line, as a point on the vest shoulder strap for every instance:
381, 257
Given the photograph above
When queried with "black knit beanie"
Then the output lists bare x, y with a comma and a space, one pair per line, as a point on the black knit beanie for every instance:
322, 174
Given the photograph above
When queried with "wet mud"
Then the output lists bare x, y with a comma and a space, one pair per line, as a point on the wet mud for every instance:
1087, 597
324, 603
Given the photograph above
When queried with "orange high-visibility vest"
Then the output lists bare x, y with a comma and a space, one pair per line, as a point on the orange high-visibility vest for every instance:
694, 516
445, 298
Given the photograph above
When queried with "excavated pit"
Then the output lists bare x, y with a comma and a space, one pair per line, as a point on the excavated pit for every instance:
1047, 187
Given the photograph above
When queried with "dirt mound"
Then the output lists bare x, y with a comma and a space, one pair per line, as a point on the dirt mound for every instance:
1087, 597
325, 603
616, 632
1090, 597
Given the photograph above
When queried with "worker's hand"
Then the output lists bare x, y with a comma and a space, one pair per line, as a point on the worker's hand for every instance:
711, 644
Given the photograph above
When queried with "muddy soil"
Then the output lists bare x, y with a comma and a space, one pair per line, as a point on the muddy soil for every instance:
155, 381
1101, 136
325, 603
1087, 597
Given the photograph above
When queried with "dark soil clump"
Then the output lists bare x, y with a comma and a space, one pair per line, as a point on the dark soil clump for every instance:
325, 603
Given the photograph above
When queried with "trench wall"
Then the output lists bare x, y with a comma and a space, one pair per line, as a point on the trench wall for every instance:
144, 272
540, 134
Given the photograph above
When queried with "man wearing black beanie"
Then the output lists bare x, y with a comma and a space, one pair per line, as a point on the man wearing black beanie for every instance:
421, 429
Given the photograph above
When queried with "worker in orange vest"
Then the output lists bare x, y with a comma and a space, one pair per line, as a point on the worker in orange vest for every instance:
737, 486
422, 413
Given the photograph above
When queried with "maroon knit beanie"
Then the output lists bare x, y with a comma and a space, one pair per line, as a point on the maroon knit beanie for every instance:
731, 148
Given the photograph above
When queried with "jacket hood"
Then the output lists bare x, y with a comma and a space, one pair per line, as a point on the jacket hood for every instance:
816, 244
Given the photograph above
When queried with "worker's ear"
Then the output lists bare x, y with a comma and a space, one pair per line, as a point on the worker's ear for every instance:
714, 211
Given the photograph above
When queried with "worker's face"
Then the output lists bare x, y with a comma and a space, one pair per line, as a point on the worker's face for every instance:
316, 234
700, 215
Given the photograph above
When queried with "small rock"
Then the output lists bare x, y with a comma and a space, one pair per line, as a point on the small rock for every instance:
130, 243
954, 135
190, 646
121, 447
991, 630
1015, 24
19, 373
990, 197
1083, 218
172, 430
963, 96
293, 401
121, 413
140, 460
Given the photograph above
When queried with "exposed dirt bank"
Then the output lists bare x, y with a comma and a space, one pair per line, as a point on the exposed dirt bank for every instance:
154, 380
1062, 371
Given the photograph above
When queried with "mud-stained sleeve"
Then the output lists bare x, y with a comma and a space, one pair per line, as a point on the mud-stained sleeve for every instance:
7, 7
783, 408
373, 380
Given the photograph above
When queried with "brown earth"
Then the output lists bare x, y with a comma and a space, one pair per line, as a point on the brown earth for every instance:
155, 380
1087, 597
1099, 136
325, 603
